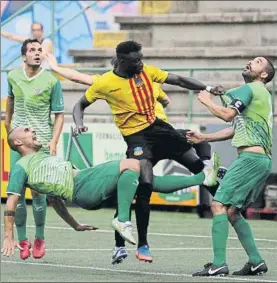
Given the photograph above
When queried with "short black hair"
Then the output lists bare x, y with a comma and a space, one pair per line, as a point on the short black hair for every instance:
25, 43
127, 47
270, 70
37, 23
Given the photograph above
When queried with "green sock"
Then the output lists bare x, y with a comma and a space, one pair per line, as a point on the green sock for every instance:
126, 190
169, 184
39, 212
20, 218
220, 233
246, 238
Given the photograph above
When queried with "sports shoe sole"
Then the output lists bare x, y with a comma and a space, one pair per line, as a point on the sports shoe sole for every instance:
119, 260
144, 258
114, 226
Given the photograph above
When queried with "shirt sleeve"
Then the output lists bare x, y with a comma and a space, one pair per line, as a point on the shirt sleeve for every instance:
95, 78
162, 94
241, 98
157, 75
10, 90
93, 92
17, 180
57, 101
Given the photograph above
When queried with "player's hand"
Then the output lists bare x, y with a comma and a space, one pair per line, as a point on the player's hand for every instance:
217, 90
79, 130
52, 147
51, 60
9, 246
84, 227
204, 97
194, 137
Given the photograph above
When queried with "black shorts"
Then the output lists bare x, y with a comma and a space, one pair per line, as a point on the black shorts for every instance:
157, 142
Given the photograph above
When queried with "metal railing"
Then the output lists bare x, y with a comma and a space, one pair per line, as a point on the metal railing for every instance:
190, 114
191, 70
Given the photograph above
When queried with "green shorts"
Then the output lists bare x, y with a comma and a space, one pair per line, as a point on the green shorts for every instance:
93, 185
244, 180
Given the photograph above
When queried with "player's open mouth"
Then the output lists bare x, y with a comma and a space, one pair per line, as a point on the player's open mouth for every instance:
247, 68
34, 138
37, 60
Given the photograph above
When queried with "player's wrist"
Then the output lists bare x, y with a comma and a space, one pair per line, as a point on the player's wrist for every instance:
209, 88
54, 141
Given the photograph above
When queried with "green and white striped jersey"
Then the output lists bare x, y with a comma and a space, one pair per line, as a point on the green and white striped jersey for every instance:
254, 122
43, 173
34, 100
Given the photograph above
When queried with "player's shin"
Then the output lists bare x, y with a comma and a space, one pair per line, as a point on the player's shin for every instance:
246, 238
20, 218
126, 190
220, 231
169, 184
39, 211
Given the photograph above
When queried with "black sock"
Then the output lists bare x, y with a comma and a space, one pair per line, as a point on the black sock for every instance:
142, 209
203, 150
212, 189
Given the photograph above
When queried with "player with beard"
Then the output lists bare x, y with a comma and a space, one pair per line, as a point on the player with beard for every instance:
87, 188
249, 108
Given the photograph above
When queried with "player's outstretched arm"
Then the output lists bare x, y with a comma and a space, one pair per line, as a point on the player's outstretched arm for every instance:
9, 113
68, 73
78, 114
223, 135
13, 37
185, 82
9, 243
191, 83
62, 211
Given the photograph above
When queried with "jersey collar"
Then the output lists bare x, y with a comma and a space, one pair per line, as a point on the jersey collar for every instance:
34, 77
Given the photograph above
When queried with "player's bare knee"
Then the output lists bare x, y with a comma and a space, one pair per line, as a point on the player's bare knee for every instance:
130, 164
233, 214
218, 208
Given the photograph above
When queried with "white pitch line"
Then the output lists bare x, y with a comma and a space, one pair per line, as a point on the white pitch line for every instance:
152, 249
134, 271
153, 234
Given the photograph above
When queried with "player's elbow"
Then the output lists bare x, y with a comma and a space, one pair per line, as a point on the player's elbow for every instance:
228, 118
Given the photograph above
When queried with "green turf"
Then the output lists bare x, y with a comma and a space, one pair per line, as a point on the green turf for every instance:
173, 232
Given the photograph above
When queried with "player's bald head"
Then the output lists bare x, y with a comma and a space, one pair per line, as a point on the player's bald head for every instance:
23, 140
13, 136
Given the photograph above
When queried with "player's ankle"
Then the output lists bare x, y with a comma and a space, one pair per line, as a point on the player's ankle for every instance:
141, 244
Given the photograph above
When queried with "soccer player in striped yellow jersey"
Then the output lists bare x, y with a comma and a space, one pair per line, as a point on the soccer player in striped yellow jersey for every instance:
249, 108
129, 91
33, 94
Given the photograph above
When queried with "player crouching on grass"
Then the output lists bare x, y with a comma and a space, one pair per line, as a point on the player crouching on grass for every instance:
86, 188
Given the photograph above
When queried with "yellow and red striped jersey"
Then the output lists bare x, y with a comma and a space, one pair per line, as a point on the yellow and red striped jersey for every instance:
132, 101
159, 109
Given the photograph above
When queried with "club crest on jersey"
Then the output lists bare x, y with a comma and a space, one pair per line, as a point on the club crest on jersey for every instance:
139, 82
37, 90
138, 151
